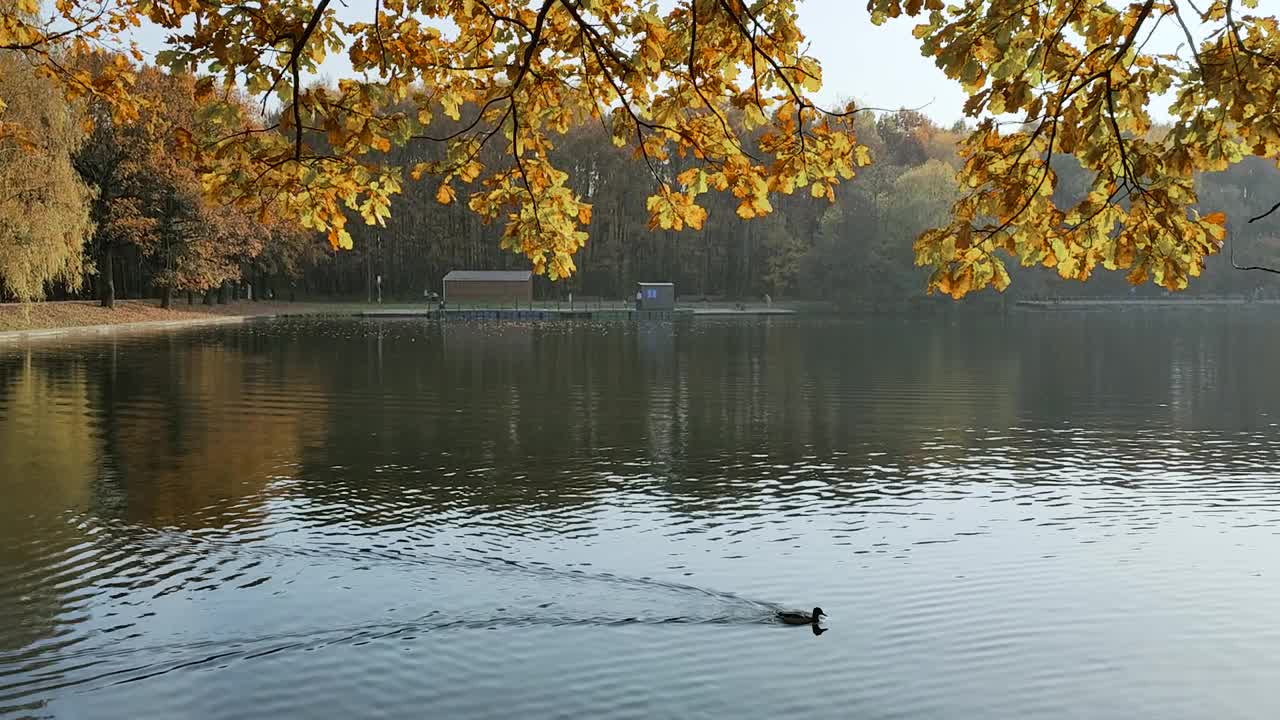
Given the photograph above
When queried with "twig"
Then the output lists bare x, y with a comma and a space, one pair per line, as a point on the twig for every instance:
1265, 214
1237, 266
1191, 43
1115, 127
377, 30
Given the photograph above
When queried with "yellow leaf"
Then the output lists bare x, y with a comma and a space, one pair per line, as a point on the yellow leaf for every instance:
340, 239
961, 285
1001, 277
451, 103
445, 194
698, 219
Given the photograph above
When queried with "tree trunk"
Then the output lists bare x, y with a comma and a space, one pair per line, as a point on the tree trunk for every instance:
108, 276
223, 290
208, 296
191, 298
166, 297
123, 290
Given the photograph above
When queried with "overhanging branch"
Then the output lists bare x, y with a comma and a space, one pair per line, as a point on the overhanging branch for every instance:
1260, 268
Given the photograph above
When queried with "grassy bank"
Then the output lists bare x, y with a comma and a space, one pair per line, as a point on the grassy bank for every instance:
52, 315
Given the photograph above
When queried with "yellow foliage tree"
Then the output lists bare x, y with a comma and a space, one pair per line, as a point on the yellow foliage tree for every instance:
44, 207
1077, 79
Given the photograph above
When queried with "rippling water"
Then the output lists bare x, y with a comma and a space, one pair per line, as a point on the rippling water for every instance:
1041, 516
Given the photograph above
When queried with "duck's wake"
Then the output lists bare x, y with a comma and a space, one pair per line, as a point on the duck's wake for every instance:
405, 597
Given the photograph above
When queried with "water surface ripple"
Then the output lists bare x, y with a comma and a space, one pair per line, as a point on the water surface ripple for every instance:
1036, 516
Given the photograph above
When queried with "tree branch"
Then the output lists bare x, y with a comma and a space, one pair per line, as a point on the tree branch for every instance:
1186, 32
299, 43
377, 29
50, 39
1237, 266
1115, 127
1235, 34
1265, 214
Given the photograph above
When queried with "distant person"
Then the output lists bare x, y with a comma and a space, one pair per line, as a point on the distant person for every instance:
638, 298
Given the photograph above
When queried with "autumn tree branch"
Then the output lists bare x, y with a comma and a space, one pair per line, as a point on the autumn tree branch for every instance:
52, 38
298, 44
377, 29
1186, 32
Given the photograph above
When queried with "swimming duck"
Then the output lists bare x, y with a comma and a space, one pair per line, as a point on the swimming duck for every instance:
799, 617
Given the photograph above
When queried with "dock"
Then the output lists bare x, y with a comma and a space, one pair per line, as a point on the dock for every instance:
597, 314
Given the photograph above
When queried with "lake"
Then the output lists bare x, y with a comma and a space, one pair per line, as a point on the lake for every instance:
1042, 515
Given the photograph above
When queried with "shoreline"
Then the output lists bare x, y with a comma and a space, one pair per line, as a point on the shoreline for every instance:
127, 327
84, 318
51, 320
77, 318
1152, 303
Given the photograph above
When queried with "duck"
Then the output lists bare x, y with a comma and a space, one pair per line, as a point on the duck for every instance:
799, 617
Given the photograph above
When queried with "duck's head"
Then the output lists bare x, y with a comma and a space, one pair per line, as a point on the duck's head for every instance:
817, 613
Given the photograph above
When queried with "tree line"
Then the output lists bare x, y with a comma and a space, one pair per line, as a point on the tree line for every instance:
92, 206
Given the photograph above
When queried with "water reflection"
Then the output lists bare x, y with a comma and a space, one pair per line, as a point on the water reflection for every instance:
295, 509
48, 454
161, 433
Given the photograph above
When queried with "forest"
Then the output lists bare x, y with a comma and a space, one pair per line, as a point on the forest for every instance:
108, 209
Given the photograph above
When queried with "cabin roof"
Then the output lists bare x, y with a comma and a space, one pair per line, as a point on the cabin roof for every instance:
489, 275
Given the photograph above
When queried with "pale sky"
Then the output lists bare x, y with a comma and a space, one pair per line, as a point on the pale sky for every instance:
878, 66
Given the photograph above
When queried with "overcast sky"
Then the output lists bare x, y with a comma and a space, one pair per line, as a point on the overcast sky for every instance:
877, 66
